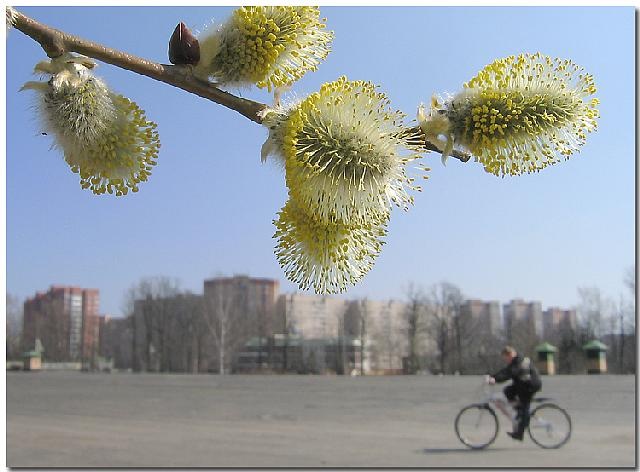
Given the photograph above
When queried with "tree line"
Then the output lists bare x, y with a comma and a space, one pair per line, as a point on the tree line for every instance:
169, 330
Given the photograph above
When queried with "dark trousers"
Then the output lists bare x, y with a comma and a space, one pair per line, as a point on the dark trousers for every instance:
524, 397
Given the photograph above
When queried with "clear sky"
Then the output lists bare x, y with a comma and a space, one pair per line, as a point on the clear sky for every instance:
207, 209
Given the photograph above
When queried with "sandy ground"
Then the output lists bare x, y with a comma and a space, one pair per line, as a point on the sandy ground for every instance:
126, 420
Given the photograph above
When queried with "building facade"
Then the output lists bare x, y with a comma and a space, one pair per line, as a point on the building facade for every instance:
486, 315
385, 340
556, 320
237, 309
65, 320
311, 316
521, 316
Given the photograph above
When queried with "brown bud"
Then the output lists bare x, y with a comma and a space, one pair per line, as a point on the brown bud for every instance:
183, 46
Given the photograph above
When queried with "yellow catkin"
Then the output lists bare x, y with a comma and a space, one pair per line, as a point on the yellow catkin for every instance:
327, 257
521, 114
105, 137
345, 152
269, 46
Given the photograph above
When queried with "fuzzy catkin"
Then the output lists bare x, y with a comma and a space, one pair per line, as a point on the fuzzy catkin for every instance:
519, 115
266, 46
104, 137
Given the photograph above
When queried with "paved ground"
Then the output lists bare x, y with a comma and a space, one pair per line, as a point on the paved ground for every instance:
127, 420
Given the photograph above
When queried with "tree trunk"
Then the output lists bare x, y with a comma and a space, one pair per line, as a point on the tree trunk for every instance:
221, 350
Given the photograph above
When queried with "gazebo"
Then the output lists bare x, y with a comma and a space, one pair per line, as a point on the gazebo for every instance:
596, 353
32, 360
546, 358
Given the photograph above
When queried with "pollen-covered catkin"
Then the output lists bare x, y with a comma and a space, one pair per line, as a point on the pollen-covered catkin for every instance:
325, 256
345, 152
266, 46
520, 114
104, 137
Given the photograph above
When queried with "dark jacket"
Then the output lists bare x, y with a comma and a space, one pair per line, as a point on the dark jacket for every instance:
522, 372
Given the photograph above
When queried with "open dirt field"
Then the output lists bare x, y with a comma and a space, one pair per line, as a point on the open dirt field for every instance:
66, 419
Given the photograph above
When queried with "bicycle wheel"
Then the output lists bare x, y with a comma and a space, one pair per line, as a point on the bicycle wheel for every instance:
477, 426
550, 426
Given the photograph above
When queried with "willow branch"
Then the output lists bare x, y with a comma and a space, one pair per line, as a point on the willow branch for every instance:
56, 42
461, 156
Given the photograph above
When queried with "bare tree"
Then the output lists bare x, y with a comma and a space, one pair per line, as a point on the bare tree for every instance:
221, 323
630, 281
149, 303
593, 309
620, 337
188, 329
570, 355
627, 311
415, 313
356, 327
362, 319
469, 337
523, 336
444, 302
14, 320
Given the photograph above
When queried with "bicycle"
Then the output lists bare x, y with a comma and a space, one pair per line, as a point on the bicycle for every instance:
477, 424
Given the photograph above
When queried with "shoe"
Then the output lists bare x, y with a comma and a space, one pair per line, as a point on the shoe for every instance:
516, 436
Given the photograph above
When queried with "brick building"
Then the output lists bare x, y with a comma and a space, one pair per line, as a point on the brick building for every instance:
66, 321
237, 309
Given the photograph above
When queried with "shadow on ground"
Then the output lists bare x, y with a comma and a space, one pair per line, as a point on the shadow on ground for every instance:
455, 450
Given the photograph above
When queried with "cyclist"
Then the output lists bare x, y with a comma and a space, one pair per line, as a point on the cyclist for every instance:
525, 383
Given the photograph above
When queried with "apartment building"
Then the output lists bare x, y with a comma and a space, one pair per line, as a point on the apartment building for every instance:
237, 309
382, 327
556, 320
379, 325
521, 315
253, 301
486, 315
311, 316
65, 320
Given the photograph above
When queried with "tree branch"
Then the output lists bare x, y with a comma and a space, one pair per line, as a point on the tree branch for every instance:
461, 156
56, 42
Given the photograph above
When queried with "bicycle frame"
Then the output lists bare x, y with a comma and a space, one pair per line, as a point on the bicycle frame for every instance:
498, 401
547, 432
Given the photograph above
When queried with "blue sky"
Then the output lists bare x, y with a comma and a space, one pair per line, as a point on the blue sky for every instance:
208, 208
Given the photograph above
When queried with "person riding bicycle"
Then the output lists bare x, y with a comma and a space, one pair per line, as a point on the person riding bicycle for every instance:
525, 383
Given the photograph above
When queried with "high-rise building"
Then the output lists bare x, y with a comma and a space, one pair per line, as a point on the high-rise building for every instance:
555, 320
521, 315
237, 309
253, 301
65, 320
486, 315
